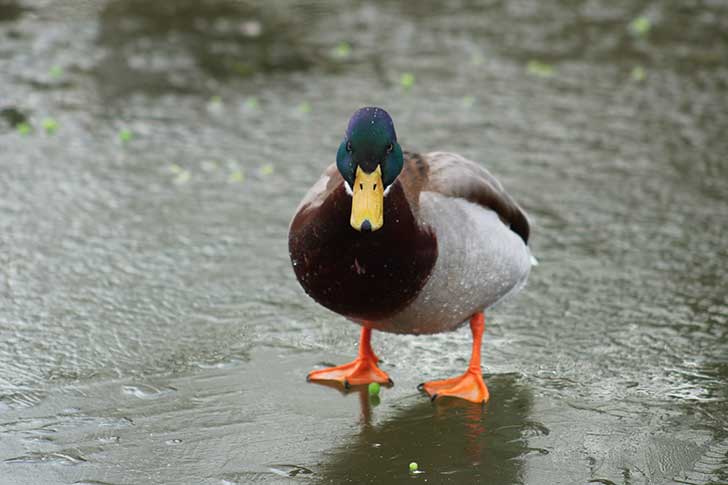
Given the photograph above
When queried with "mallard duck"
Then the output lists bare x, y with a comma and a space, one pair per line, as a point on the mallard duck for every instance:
407, 243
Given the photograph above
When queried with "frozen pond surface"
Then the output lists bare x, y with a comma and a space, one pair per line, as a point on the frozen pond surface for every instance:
151, 328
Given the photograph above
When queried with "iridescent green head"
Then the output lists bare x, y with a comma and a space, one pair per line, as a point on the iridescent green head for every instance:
370, 159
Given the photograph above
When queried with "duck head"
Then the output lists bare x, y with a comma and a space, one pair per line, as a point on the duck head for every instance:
370, 159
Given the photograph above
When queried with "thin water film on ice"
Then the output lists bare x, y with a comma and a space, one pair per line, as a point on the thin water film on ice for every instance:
152, 154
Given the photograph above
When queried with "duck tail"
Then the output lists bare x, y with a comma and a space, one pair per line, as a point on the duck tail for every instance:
534, 261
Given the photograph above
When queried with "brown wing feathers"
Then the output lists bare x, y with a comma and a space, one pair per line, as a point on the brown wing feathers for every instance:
452, 175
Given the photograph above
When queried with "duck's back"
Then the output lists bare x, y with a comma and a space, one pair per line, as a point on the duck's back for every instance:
482, 246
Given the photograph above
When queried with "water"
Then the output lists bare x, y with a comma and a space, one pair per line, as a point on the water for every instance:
151, 329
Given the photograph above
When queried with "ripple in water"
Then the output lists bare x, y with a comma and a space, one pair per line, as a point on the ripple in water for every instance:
144, 391
64, 457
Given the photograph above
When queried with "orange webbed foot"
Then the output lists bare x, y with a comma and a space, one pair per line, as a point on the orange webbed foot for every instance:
469, 386
361, 370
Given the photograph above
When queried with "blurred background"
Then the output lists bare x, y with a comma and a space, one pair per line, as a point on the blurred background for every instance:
152, 155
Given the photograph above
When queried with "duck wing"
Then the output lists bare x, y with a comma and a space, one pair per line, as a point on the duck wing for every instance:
452, 175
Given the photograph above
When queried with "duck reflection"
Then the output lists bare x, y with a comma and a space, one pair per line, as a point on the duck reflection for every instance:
452, 441
10, 10
180, 46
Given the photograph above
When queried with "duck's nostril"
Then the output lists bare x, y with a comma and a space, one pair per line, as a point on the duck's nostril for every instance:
366, 226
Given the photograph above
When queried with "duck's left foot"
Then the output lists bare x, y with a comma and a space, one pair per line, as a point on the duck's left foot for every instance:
469, 386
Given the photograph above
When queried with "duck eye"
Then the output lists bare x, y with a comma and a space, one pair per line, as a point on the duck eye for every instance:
348, 146
390, 147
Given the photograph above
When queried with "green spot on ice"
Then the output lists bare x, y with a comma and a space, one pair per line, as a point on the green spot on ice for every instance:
266, 169
56, 72
640, 25
342, 50
638, 73
251, 103
236, 176
304, 107
50, 125
183, 177
23, 128
407, 80
374, 388
126, 135
540, 69
468, 101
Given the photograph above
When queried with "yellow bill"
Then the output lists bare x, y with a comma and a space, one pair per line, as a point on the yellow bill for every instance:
367, 203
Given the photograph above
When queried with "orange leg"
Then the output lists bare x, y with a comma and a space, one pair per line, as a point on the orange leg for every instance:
470, 385
362, 370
